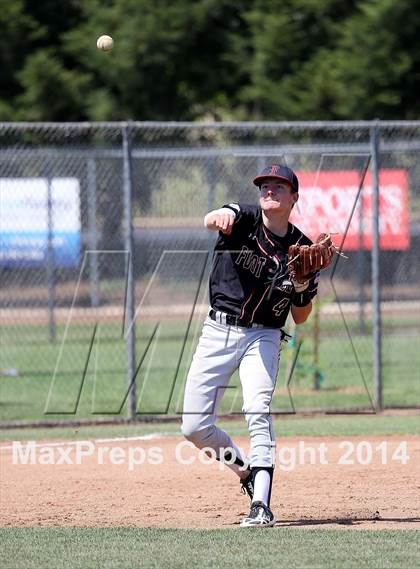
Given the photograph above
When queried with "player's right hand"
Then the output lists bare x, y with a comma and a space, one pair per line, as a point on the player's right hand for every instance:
221, 222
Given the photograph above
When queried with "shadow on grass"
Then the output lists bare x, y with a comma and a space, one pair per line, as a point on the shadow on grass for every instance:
343, 521
340, 521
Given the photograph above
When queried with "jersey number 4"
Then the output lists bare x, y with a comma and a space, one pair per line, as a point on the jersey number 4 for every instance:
280, 306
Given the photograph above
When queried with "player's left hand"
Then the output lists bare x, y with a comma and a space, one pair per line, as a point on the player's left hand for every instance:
300, 286
305, 260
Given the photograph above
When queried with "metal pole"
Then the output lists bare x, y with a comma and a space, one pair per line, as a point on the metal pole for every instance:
50, 269
376, 291
93, 234
211, 179
130, 299
361, 268
315, 347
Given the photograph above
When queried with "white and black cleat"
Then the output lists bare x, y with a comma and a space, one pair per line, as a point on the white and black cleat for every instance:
259, 516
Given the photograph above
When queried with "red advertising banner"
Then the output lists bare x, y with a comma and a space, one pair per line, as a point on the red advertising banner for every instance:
326, 201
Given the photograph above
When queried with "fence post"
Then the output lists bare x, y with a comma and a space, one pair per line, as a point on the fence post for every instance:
211, 182
361, 272
50, 266
93, 234
376, 291
130, 292
315, 349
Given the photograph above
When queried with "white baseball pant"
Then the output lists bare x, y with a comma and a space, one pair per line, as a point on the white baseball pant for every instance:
221, 350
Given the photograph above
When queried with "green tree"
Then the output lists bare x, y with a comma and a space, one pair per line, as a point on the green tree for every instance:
18, 31
284, 37
169, 58
181, 60
377, 62
330, 59
50, 91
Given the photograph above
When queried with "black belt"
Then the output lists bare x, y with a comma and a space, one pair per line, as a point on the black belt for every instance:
231, 320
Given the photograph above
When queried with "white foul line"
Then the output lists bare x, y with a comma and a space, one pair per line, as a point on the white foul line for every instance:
150, 437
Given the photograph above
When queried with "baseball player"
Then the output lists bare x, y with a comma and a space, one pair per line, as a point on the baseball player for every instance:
251, 295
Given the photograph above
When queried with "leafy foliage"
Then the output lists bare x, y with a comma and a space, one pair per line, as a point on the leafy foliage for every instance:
219, 59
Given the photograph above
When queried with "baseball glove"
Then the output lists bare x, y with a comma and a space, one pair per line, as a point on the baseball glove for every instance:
305, 260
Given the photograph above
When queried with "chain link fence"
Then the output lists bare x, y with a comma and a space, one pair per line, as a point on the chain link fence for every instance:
104, 263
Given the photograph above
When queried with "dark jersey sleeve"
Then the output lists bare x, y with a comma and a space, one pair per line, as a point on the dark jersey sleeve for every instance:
303, 298
313, 285
247, 216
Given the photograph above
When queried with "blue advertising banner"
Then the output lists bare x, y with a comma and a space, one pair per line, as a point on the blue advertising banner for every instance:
24, 221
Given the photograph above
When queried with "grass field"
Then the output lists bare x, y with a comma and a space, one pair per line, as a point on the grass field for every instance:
101, 383
115, 548
301, 545
284, 426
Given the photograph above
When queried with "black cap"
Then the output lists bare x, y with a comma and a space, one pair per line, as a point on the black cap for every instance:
278, 172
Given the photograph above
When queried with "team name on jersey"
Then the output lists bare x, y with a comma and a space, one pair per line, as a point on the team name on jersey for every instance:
250, 261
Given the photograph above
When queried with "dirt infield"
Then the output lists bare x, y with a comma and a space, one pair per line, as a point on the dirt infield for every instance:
171, 494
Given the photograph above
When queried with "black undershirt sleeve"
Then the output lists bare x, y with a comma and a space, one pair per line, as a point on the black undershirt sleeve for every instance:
301, 299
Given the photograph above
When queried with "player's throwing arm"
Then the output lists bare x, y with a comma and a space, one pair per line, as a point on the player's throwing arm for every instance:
220, 220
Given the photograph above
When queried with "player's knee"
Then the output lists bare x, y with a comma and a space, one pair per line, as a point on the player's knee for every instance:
195, 435
190, 429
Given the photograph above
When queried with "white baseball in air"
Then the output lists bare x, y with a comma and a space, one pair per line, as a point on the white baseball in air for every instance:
105, 43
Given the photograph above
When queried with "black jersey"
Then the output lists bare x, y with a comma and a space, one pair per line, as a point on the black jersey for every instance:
249, 277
